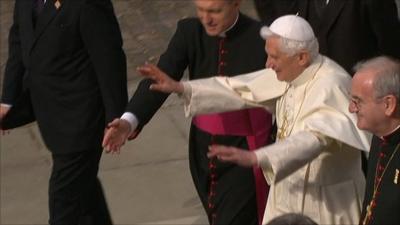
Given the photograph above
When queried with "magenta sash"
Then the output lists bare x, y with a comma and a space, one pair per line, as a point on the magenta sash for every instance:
255, 124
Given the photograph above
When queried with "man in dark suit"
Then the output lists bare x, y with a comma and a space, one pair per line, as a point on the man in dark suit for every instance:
375, 100
66, 69
221, 41
348, 31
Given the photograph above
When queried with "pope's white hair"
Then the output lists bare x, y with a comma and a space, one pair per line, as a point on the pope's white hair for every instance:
292, 47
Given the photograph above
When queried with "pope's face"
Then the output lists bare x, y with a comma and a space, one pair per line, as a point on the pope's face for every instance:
217, 15
287, 67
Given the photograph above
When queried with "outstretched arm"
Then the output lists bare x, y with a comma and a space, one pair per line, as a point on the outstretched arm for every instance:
277, 160
220, 94
120, 129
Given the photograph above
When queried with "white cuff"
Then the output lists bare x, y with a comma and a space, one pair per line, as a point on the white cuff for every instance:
186, 96
131, 119
6, 105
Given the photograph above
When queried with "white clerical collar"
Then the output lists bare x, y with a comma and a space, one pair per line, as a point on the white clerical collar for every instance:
394, 130
308, 73
223, 34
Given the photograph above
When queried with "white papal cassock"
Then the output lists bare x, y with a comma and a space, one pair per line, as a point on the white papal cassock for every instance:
314, 168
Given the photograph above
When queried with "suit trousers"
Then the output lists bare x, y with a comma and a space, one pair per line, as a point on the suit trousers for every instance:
75, 193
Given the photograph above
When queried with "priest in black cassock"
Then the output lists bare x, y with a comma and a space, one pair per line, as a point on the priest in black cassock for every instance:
376, 102
224, 42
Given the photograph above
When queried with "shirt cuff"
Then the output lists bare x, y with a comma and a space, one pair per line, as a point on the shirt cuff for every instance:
131, 119
6, 105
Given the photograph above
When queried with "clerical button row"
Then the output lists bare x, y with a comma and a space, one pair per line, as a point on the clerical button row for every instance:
222, 63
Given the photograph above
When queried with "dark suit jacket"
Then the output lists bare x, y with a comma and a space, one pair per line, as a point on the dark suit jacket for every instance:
192, 48
68, 72
386, 211
349, 30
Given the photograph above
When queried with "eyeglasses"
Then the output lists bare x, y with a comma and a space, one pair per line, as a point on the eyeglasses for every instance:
357, 103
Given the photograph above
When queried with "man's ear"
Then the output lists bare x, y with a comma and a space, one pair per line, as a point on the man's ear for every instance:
391, 105
304, 58
237, 3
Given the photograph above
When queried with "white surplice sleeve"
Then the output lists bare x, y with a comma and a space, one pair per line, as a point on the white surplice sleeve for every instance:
285, 157
220, 94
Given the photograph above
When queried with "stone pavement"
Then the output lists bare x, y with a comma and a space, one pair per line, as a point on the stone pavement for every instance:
149, 182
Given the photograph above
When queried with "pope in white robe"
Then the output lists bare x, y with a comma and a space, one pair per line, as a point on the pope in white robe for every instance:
314, 168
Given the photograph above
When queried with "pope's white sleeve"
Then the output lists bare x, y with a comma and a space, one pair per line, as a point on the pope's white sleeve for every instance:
221, 94
212, 96
285, 157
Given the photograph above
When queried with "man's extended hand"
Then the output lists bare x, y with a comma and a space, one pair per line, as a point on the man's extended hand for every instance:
231, 154
115, 136
163, 82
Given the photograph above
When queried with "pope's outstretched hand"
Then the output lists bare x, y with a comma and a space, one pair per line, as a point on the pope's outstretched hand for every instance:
232, 154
